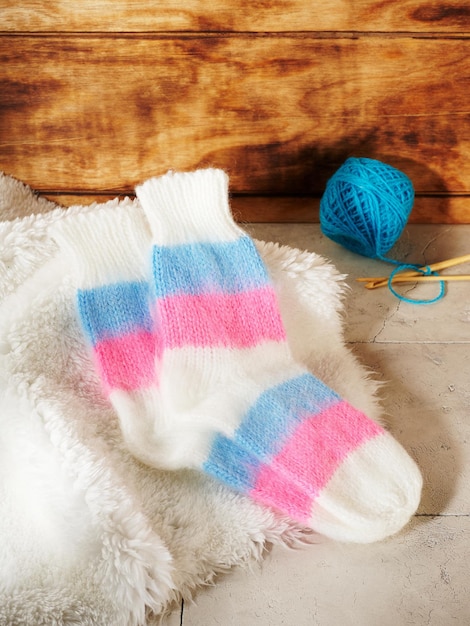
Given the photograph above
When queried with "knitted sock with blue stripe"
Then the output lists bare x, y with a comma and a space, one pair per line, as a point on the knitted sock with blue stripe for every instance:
234, 403
108, 254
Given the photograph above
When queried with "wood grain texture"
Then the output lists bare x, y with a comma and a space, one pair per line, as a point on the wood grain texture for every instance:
229, 15
280, 113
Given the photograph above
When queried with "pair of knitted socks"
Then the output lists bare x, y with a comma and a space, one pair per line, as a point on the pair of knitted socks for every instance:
186, 336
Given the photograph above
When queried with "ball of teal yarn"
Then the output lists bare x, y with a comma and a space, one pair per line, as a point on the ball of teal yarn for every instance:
366, 206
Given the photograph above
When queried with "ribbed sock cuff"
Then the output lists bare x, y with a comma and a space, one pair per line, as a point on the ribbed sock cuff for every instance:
111, 244
186, 207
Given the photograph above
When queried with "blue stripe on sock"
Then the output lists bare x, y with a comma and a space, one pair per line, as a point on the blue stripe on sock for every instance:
113, 310
231, 465
278, 411
265, 429
208, 267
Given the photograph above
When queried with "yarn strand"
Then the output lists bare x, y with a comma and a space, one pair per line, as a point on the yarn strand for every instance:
424, 271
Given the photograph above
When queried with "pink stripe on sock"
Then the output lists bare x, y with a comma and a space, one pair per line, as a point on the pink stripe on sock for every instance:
232, 320
126, 362
278, 491
318, 446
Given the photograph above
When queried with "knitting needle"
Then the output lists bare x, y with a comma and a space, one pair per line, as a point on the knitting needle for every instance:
419, 279
433, 267
381, 281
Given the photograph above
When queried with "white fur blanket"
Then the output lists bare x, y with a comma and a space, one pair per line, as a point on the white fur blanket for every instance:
88, 535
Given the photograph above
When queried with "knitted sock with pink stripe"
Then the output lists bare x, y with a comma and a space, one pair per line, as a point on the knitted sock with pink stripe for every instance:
234, 402
107, 251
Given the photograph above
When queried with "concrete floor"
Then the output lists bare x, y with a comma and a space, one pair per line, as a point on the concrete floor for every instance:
422, 353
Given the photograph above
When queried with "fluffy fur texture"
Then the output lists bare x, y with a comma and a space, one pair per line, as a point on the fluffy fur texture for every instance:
88, 535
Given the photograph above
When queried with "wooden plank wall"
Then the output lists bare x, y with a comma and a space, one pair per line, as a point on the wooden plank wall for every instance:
96, 96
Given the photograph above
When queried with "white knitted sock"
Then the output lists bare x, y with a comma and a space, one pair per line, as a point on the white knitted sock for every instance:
234, 402
108, 252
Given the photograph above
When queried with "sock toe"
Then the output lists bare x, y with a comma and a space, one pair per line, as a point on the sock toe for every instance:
372, 494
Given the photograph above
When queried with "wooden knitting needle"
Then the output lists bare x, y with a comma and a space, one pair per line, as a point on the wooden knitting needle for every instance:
434, 267
420, 279
381, 281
